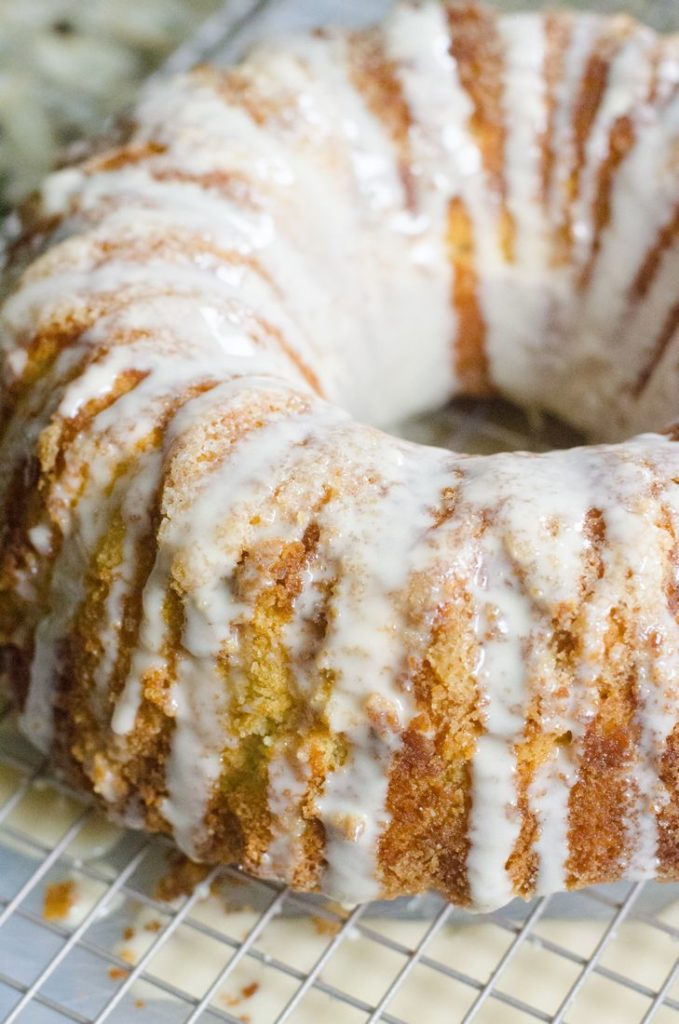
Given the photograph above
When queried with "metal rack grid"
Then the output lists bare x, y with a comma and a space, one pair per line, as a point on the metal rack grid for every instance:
240, 950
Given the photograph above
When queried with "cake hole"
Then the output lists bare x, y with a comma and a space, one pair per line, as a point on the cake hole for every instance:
565, 642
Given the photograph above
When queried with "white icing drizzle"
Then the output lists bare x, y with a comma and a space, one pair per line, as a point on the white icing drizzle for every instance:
531, 292
204, 544
211, 542
637, 216
323, 202
390, 239
368, 556
583, 38
525, 114
628, 83
448, 161
637, 552
374, 547
504, 623
516, 582
521, 577
90, 520
287, 786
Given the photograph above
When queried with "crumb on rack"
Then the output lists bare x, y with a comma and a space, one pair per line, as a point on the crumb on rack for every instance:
247, 992
117, 973
326, 926
180, 879
59, 900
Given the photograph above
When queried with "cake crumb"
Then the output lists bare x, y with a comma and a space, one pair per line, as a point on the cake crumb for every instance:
140, 1004
180, 879
59, 900
325, 926
128, 934
247, 992
153, 926
117, 973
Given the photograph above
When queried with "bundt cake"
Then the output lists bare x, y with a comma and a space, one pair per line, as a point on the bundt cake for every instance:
243, 618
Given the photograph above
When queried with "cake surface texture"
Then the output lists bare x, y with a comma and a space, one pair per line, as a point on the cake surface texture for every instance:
234, 609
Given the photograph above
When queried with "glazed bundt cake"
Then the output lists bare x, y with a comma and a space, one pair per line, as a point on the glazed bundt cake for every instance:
241, 617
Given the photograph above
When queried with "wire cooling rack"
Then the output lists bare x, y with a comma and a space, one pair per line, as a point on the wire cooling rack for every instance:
98, 924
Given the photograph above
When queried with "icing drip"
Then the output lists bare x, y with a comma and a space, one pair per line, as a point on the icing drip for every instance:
515, 591
518, 583
213, 614
374, 548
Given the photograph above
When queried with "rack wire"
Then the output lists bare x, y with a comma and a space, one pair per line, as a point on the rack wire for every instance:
91, 932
